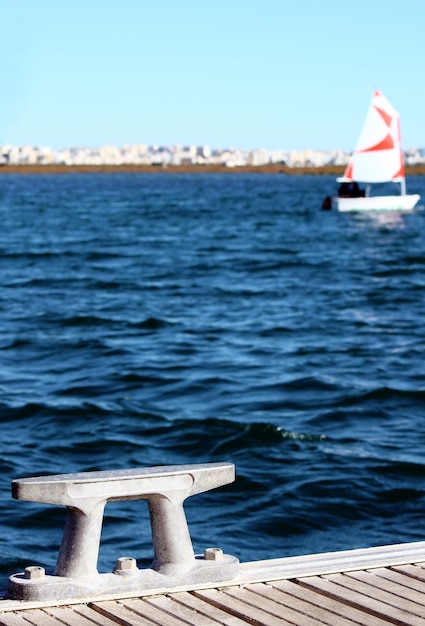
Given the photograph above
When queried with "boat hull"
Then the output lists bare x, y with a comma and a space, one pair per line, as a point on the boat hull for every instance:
376, 203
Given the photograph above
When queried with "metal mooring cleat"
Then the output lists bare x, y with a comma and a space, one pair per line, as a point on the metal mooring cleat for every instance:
86, 494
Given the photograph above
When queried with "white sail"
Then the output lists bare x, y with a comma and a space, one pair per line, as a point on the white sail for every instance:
378, 157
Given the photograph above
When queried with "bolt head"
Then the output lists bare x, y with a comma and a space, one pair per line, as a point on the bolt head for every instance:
213, 554
35, 572
125, 564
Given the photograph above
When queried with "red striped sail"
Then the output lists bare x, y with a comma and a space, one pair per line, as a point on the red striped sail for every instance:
378, 157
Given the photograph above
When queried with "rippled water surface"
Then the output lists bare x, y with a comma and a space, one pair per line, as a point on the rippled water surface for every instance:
167, 319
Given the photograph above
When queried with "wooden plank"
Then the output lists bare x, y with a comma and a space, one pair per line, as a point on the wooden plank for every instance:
191, 614
39, 617
206, 608
155, 610
158, 611
389, 592
67, 615
332, 586
400, 578
71, 616
335, 611
78, 615
93, 616
123, 616
235, 606
414, 571
306, 610
13, 619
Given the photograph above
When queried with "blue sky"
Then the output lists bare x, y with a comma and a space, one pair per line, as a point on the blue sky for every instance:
243, 73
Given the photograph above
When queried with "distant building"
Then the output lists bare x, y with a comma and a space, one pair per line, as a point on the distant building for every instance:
142, 154
259, 157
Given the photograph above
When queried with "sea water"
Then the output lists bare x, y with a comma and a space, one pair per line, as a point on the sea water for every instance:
153, 319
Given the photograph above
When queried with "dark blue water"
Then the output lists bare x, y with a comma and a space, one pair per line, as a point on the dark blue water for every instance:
167, 319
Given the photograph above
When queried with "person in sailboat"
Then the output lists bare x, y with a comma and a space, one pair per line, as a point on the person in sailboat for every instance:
350, 190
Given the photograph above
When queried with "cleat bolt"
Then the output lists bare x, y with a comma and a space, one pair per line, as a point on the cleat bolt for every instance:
125, 564
35, 572
213, 554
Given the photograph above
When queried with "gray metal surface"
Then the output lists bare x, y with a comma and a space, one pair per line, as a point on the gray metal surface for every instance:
85, 496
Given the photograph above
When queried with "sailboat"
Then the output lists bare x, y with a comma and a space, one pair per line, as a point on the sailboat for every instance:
377, 158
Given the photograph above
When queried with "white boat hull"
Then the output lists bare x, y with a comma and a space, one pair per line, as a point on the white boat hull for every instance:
376, 203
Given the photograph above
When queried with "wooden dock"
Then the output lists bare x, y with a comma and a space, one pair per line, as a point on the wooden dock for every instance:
375, 586
366, 587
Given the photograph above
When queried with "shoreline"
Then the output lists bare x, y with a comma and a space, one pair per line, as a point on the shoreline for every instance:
418, 170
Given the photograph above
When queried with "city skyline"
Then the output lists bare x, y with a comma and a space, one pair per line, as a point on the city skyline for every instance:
220, 73
171, 155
